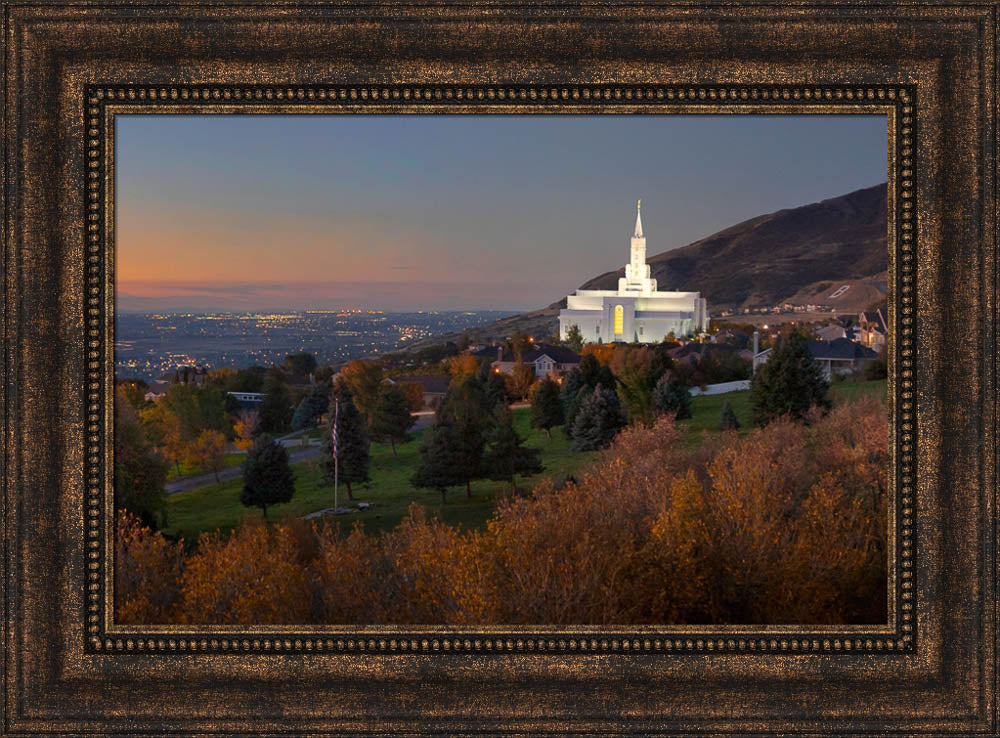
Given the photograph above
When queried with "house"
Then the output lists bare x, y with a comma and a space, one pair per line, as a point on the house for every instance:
872, 329
839, 357
157, 388
547, 360
434, 387
831, 332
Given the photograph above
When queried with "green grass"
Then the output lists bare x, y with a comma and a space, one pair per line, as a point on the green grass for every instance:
218, 506
188, 470
706, 410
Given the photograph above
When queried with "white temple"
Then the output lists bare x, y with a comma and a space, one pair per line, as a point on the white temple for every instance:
636, 311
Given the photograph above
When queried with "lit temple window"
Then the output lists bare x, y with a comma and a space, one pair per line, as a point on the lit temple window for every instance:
619, 320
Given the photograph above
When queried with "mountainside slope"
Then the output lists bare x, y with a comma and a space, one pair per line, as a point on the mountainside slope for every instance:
767, 259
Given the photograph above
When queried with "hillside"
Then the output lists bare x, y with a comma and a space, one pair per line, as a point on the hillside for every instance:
770, 258
798, 255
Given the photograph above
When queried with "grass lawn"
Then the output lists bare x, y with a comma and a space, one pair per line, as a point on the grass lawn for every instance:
188, 470
218, 505
706, 410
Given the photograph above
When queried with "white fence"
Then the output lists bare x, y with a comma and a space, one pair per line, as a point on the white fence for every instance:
721, 389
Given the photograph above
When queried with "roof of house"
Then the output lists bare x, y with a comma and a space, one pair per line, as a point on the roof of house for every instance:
840, 348
431, 383
558, 354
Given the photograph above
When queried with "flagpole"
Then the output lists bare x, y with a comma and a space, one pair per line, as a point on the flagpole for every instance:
336, 455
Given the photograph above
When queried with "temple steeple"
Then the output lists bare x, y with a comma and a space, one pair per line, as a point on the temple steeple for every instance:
637, 277
638, 220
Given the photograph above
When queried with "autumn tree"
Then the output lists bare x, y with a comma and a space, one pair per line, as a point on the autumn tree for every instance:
147, 571
729, 420
246, 428
671, 396
364, 381
789, 383
505, 455
140, 470
267, 477
574, 338
166, 432
391, 417
208, 451
462, 366
546, 407
598, 421
522, 377
353, 445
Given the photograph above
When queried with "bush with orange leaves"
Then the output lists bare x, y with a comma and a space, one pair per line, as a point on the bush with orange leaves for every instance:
786, 524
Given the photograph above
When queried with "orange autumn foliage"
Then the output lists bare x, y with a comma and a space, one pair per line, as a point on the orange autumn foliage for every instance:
786, 524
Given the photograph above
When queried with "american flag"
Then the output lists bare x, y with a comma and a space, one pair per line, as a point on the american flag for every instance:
333, 429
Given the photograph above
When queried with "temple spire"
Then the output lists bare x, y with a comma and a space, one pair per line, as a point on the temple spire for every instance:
638, 220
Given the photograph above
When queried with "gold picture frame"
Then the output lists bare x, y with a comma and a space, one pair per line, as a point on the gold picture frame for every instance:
69, 69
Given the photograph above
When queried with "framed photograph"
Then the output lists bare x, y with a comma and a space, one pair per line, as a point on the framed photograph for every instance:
472, 369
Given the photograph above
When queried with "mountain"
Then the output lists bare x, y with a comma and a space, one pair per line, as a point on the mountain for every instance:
803, 255
768, 259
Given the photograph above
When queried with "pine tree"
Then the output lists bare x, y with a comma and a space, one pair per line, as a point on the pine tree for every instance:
496, 390
352, 441
506, 456
789, 383
575, 338
670, 396
546, 407
276, 408
267, 477
465, 407
598, 420
441, 459
729, 420
312, 406
571, 394
391, 417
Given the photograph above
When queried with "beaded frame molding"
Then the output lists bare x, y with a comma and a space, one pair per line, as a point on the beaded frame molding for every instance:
69, 66
103, 103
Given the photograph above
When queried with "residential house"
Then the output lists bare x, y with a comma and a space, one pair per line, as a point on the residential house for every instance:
839, 357
434, 387
547, 360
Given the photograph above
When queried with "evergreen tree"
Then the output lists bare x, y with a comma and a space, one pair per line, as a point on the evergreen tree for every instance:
140, 471
267, 477
571, 394
276, 407
598, 420
789, 383
574, 338
546, 407
496, 390
671, 396
441, 459
505, 456
465, 407
594, 373
313, 405
729, 420
352, 441
300, 365
391, 417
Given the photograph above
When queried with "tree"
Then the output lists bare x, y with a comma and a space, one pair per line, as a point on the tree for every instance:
391, 417
789, 383
521, 379
208, 450
441, 459
465, 407
729, 420
594, 372
496, 390
462, 366
671, 396
505, 456
546, 407
364, 380
313, 405
267, 477
300, 365
140, 470
165, 431
598, 421
246, 426
575, 338
637, 369
352, 440
276, 407
571, 395
135, 390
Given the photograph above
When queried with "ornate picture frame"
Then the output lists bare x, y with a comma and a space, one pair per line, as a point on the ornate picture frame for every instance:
69, 69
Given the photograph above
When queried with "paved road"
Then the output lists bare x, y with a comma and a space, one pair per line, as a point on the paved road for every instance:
203, 480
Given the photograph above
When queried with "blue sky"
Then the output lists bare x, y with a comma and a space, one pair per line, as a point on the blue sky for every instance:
447, 211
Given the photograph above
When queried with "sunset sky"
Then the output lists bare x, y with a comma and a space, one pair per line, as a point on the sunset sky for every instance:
446, 212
